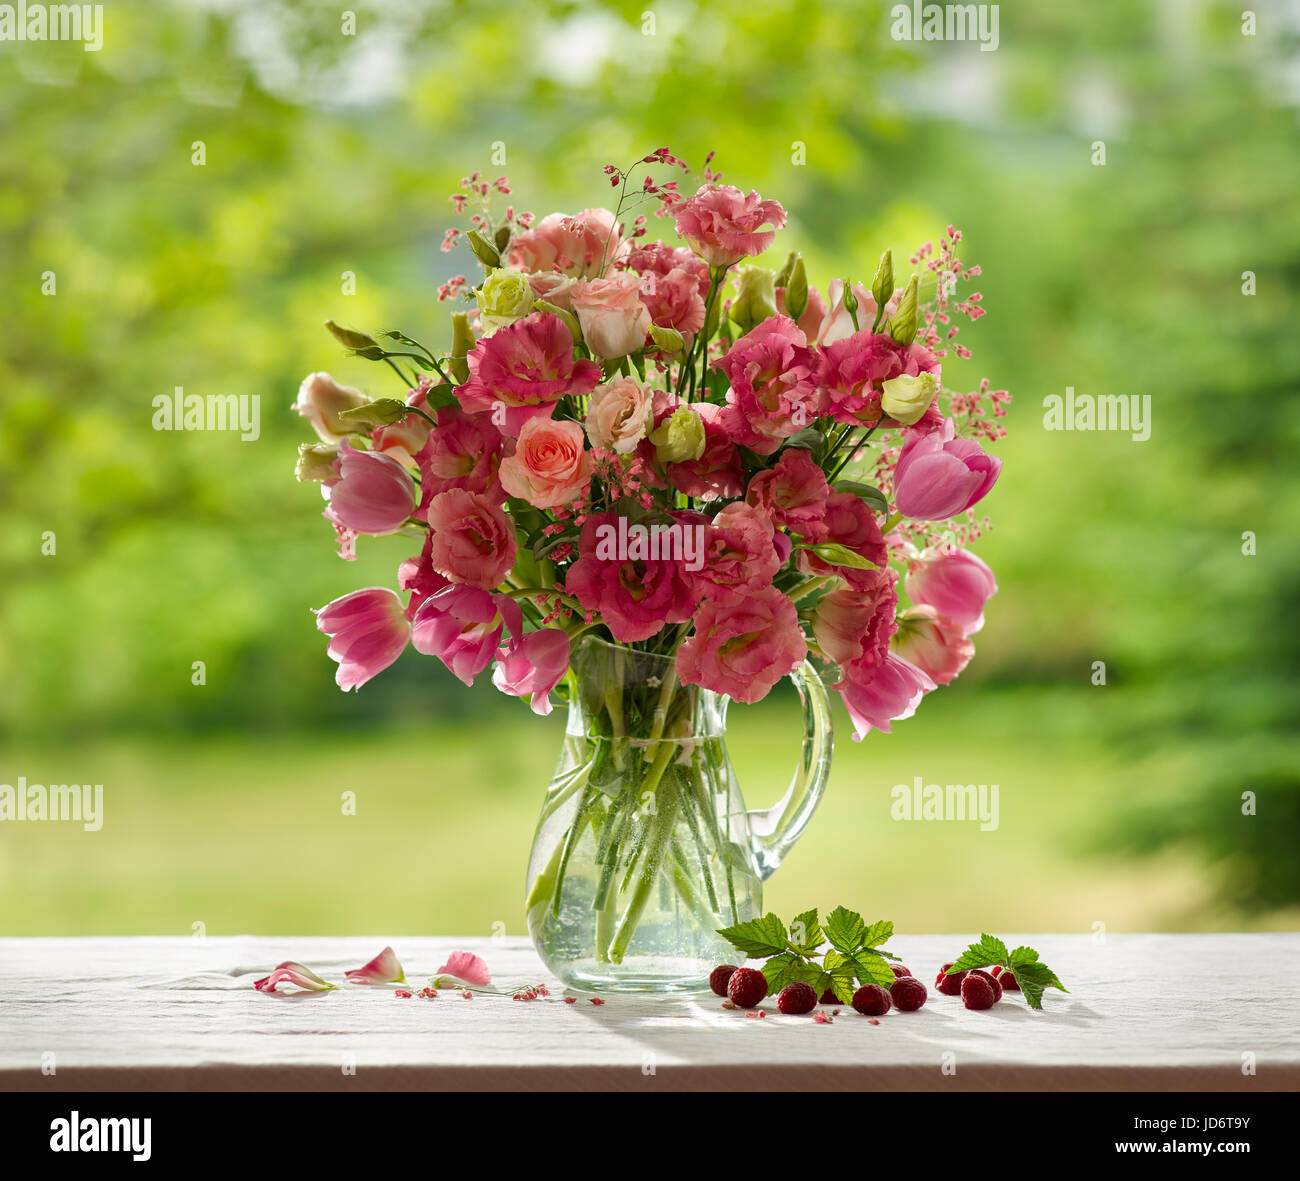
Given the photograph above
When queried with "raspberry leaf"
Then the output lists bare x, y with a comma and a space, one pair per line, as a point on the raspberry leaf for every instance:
843, 973
845, 929
877, 933
1033, 978
758, 938
873, 968
788, 967
806, 933
989, 951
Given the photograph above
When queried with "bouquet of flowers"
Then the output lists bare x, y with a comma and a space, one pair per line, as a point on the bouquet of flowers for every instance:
660, 445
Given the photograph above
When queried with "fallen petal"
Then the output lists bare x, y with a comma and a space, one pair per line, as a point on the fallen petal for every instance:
463, 967
383, 969
295, 974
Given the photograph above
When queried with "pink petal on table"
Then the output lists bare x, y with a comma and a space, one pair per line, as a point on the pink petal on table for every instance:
383, 969
466, 966
291, 973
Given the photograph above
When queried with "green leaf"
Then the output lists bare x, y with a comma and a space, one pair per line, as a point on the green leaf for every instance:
845, 928
877, 933
788, 967
873, 968
441, 395
843, 973
988, 951
808, 439
1033, 978
840, 555
758, 937
1022, 955
873, 496
805, 932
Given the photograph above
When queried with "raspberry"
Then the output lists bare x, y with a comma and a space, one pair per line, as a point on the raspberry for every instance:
908, 994
796, 998
718, 978
949, 983
829, 997
1007, 978
900, 971
871, 1000
997, 988
977, 992
747, 987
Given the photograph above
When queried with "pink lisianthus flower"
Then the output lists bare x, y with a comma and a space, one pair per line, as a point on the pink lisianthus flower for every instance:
850, 523
793, 493
743, 647
619, 415
722, 225
532, 666
573, 245
674, 300
462, 626
403, 439
614, 321
740, 556
463, 967
418, 576
856, 622
850, 372
321, 401
956, 584
634, 597
385, 968
473, 541
525, 367
550, 465
293, 973
462, 451
368, 631
371, 493
773, 393
935, 645
660, 260
877, 694
718, 472
938, 476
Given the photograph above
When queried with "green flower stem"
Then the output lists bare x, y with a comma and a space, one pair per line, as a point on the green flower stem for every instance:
656, 847
686, 888
692, 822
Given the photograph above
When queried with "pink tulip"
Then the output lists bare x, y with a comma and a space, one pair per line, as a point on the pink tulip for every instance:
295, 974
368, 631
463, 967
956, 585
939, 476
877, 694
383, 969
533, 665
935, 645
461, 625
372, 493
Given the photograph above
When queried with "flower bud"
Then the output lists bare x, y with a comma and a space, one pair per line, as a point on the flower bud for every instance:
504, 297
679, 437
787, 267
903, 326
350, 338
484, 250
669, 340
756, 299
906, 399
882, 286
462, 340
570, 320
796, 290
322, 402
316, 462
380, 412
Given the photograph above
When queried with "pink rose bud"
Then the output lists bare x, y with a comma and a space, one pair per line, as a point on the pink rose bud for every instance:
372, 493
533, 665
613, 318
935, 645
956, 585
461, 626
321, 400
368, 630
550, 465
939, 476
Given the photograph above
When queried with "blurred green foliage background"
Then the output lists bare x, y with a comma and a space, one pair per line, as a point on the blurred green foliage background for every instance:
327, 154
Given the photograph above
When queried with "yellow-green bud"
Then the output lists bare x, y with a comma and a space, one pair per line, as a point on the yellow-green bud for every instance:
796, 290
783, 275
380, 412
350, 338
679, 437
462, 340
484, 250
502, 238
882, 286
504, 297
669, 340
315, 461
570, 320
756, 299
903, 326
905, 399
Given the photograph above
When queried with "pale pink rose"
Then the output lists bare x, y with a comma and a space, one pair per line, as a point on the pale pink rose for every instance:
293, 973
552, 287
371, 493
877, 694
463, 967
957, 584
614, 321
722, 225
793, 493
933, 644
847, 522
718, 472
368, 630
473, 540
856, 622
404, 439
532, 666
321, 400
418, 576
462, 451
549, 466
743, 648
773, 393
851, 370
576, 246
635, 598
938, 476
740, 555
385, 968
522, 370
619, 415
462, 627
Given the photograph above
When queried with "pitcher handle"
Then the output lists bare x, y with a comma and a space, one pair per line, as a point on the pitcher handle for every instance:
774, 831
